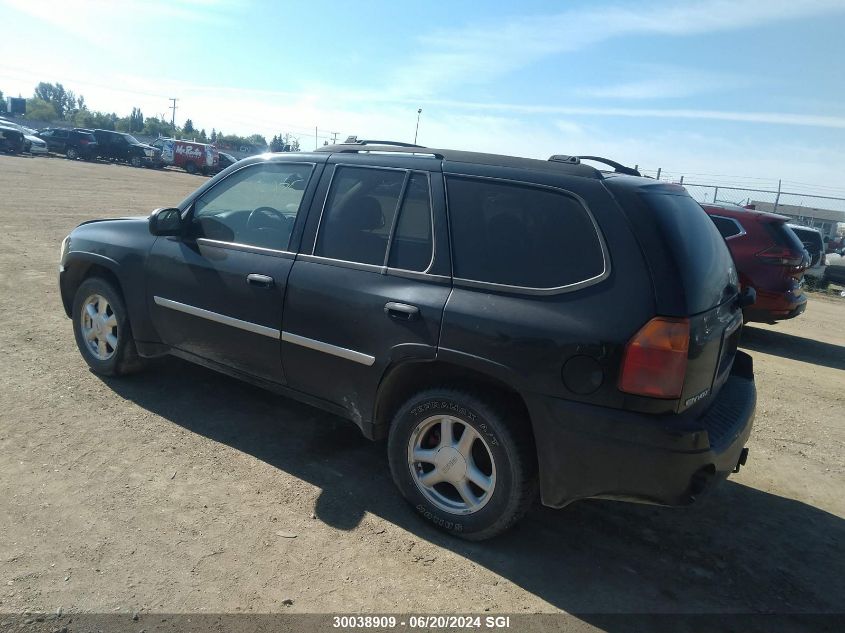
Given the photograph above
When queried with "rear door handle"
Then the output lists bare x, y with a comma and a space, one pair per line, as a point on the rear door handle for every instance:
262, 281
401, 311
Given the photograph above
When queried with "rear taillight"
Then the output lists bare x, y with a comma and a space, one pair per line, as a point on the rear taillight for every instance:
83, 141
655, 361
781, 256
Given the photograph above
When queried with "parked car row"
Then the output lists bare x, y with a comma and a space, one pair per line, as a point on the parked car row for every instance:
19, 139
562, 331
88, 144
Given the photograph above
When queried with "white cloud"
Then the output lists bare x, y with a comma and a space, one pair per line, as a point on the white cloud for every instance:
493, 47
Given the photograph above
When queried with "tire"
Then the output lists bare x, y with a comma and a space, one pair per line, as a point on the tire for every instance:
115, 353
190, 168
135, 161
502, 457
72, 153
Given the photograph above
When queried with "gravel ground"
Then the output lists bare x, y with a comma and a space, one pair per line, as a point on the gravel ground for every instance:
180, 490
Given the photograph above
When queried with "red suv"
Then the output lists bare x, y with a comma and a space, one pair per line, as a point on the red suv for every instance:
769, 258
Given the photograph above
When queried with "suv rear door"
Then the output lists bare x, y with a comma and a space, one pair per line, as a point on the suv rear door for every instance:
369, 285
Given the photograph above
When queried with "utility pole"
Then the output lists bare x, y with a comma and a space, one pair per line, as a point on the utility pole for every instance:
315, 137
777, 198
334, 137
173, 116
419, 112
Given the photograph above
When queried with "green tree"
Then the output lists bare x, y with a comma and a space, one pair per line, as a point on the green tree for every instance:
257, 139
213, 135
64, 101
40, 110
188, 128
202, 137
156, 127
123, 124
2, 103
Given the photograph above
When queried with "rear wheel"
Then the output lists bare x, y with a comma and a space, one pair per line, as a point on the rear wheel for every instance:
465, 462
191, 168
102, 331
72, 153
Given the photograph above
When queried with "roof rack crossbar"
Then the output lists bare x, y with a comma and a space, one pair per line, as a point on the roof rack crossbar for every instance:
352, 148
354, 140
617, 167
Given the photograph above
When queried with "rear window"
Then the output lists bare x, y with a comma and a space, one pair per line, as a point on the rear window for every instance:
810, 238
783, 235
521, 235
703, 260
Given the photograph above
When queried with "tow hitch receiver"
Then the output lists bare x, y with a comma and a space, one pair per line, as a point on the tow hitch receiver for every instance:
743, 457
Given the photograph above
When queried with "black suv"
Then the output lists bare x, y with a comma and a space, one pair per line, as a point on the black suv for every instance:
507, 324
125, 148
72, 143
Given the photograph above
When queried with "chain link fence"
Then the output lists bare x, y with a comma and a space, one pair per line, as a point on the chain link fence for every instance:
824, 212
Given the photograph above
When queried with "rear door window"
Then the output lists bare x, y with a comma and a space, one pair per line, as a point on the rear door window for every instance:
411, 245
521, 235
359, 213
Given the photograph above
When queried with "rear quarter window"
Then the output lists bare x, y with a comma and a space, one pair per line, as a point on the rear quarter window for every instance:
520, 235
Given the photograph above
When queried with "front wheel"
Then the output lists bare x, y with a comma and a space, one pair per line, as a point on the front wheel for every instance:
102, 331
135, 161
465, 462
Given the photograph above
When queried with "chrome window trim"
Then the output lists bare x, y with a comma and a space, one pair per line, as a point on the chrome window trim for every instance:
342, 263
248, 248
736, 222
578, 285
328, 348
248, 326
408, 173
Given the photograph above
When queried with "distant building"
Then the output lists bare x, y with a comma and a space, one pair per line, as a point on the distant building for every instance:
825, 220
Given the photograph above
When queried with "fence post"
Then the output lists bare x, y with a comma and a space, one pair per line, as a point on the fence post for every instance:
777, 198
682, 180
715, 195
658, 172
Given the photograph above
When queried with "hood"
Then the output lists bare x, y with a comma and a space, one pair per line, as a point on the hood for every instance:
136, 219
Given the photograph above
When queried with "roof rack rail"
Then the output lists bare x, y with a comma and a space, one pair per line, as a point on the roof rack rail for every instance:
354, 140
576, 160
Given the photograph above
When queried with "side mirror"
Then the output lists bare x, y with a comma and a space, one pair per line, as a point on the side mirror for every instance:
166, 222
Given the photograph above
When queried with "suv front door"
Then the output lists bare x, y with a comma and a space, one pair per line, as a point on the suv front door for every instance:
369, 286
216, 293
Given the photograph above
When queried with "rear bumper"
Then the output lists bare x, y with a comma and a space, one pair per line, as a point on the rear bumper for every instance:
589, 451
776, 306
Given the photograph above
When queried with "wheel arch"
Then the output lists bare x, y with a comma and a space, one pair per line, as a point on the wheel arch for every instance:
403, 380
81, 266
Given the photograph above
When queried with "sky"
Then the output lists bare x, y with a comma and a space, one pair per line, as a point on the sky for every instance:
722, 91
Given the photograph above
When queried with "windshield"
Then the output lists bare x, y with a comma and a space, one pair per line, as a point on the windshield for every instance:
131, 139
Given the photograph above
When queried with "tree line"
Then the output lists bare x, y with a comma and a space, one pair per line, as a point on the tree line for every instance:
55, 103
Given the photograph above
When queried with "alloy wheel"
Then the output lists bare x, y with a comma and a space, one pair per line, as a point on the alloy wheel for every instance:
98, 323
451, 464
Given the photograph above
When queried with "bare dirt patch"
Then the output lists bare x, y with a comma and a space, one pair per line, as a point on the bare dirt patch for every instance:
180, 490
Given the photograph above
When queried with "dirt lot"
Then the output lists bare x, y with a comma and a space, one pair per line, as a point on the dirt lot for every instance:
179, 490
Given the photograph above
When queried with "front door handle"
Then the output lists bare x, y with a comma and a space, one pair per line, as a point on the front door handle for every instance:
401, 311
262, 281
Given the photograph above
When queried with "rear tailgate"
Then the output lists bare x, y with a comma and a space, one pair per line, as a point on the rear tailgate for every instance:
695, 278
